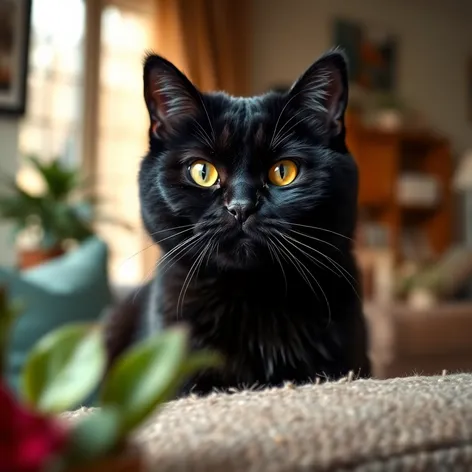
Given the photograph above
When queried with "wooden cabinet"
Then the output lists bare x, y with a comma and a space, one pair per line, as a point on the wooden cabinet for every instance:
383, 157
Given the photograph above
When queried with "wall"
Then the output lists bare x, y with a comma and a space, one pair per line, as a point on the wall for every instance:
8, 164
435, 40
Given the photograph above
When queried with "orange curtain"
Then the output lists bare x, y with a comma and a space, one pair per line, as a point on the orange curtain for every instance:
208, 40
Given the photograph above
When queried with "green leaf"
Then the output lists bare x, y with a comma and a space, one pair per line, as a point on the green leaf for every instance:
146, 376
94, 436
8, 313
64, 368
67, 209
60, 181
200, 360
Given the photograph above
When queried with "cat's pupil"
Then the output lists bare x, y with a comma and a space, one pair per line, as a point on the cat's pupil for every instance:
282, 171
204, 172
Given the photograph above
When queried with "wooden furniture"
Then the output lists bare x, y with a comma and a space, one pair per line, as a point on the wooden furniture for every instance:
406, 341
382, 157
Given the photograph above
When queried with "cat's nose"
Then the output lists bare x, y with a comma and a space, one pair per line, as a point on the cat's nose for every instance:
241, 209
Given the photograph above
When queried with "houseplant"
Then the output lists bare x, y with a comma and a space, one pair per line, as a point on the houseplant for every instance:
65, 210
61, 371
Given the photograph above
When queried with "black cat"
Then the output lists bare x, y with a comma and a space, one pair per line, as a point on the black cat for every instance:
253, 204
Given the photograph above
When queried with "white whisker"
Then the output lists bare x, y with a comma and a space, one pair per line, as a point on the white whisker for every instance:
274, 249
153, 243
320, 229
342, 271
315, 239
276, 138
173, 235
208, 117
330, 259
172, 229
177, 255
280, 116
203, 135
318, 263
286, 136
193, 268
148, 276
303, 274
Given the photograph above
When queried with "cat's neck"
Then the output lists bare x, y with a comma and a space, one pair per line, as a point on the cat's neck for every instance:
306, 281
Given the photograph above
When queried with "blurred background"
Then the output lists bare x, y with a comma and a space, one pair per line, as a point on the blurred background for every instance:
71, 108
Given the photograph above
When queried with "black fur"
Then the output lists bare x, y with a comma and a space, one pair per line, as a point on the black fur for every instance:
278, 295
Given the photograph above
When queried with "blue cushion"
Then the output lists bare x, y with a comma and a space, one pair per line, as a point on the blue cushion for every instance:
70, 288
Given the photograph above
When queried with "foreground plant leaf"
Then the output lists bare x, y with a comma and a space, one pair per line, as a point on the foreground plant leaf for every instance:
64, 368
8, 313
150, 374
200, 360
145, 376
94, 437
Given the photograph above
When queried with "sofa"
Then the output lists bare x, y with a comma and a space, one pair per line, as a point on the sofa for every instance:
72, 288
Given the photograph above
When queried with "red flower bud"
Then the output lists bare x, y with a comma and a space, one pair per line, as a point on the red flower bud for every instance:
27, 440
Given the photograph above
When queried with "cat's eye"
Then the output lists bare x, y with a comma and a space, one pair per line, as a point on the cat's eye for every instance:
283, 173
203, 173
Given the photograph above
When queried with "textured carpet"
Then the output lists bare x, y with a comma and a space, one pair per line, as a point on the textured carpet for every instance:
414, 424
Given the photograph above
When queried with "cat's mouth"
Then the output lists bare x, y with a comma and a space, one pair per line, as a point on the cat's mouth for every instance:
235, 238
239, 246
240, 252
241, 233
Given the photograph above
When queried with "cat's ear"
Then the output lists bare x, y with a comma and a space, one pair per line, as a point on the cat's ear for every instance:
170, 96
323, 90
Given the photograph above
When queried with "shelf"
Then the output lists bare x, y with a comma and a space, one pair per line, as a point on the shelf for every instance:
382, 158
419, 208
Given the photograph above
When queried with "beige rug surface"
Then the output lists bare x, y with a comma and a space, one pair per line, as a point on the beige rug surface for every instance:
412, 424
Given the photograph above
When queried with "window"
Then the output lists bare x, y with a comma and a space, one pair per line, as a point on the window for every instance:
126, 33
52, 126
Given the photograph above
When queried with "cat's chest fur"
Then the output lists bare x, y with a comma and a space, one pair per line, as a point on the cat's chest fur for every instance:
268, 330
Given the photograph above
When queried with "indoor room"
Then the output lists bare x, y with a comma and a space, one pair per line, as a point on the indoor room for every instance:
79, 215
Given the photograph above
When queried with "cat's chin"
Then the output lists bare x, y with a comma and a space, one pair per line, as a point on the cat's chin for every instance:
241, 254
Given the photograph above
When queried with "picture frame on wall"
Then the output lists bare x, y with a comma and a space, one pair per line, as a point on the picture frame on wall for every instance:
15, 21
372, 51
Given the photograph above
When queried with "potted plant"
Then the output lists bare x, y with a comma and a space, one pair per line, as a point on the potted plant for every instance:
64, 368
65, 210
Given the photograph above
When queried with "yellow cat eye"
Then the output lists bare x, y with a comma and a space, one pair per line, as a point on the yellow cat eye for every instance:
283, 173
203, 173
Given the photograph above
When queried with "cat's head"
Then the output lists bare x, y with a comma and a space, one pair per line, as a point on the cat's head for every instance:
236, 178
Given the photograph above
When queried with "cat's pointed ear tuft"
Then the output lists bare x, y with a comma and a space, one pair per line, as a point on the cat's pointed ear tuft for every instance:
170, 96
323, 90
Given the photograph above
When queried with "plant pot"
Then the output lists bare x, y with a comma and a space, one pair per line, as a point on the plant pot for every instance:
125, 462
421, 298
389, 120
28, 258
